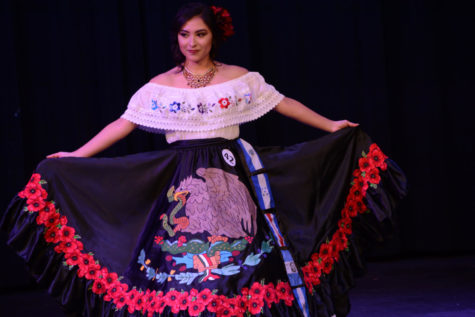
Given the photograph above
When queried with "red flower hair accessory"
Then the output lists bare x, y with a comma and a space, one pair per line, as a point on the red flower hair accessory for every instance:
224, 21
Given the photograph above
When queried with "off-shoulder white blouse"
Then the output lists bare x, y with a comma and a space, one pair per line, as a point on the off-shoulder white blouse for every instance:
201, 113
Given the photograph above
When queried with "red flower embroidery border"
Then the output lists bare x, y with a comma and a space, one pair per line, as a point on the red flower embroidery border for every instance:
366, 175
251, 300
108, 284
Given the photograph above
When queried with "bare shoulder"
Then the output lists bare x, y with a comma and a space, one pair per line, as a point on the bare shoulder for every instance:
167, 78
231, 71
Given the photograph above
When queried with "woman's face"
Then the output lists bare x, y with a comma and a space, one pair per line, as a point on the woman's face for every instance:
195, 40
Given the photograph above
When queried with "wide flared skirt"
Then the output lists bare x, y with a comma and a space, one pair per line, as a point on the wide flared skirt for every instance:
181, 231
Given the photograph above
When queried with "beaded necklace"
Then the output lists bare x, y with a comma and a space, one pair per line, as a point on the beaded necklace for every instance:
196, 80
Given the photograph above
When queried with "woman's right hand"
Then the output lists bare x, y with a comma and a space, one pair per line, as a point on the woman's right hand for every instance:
62, 154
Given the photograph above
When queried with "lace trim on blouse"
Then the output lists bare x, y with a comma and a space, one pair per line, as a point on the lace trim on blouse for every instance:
161, 109
230, 133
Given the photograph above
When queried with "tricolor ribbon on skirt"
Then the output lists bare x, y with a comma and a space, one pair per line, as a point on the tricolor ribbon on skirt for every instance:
263, 193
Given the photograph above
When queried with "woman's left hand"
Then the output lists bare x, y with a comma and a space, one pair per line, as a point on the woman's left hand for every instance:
337, 125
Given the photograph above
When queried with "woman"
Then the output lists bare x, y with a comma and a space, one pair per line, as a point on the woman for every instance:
193, 230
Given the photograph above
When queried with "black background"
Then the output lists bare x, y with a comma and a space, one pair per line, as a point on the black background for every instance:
404, 70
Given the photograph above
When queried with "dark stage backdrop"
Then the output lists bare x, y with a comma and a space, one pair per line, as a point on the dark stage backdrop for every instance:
403, 69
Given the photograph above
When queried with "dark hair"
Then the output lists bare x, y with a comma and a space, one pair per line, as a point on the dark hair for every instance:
184, 14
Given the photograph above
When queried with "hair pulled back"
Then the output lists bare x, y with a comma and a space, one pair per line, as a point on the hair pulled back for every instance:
212, 20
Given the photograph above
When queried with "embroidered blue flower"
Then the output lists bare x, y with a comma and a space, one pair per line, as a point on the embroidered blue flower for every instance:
154, 104
175, 107
248, 97
202, 108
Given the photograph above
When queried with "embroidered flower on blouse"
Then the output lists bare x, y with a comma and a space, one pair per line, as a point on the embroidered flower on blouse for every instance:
224, 103
154, 104
248, 97
201, 108
174, 107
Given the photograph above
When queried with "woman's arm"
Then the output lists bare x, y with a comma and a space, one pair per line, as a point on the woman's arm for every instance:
112, 133
296, 110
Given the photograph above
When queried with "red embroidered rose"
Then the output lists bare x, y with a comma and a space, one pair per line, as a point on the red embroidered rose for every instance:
362, 183
352, 208
183, 301
241, 304
377, 156
224, 103
374, 176
86, 259
109, 278
361, 206
255, 305
325, 251
232, 302
68, 246
88, 268
171, 299
308, 284
284, 292
120, 300
257, 290
224, 309
344, 225
356, 192
161, 304
73, 257
33, 190
35, 204
49, 206
140, 302
205, 296
327, 265
149, 296
34, 178
269, 294
316, 272
115, 290
151, 302
214, 304
193, 292
340, 240
98, 287
132, 297
92, 271
196, 307
52, 235
310, 277
365, 164
49, 219
67, 233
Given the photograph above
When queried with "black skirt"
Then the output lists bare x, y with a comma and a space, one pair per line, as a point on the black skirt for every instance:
182, 231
